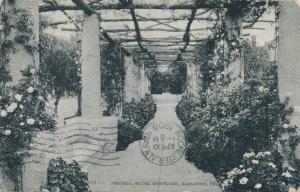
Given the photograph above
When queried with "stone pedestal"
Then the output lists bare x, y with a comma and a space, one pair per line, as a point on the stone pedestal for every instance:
22, 58
91, 142
289, 58
91, 79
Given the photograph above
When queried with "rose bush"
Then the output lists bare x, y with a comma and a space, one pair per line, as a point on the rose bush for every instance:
23, 111
260, 171
226, 123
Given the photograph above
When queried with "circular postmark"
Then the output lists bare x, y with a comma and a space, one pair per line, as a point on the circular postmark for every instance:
163, 143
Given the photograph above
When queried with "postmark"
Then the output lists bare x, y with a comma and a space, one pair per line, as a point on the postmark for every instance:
163, 143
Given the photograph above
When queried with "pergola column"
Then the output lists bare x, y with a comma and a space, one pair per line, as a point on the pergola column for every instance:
233, 27
91, 80
22, 58
129, 80
193, 78
289, 59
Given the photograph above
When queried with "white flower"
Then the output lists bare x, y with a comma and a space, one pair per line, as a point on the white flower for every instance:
254, 161
21, 106
10, 109
285, 126
18, 97
243, 171
32, 71
260, 154
248, 155
30, 121
287, 174
7, 132
249, 170
258, 186
261, 89
30, 89
21, 123
3, 113
243, 180
291, 169
45, 190
267, 153
272, 165
225, 183
40, 98
13, 105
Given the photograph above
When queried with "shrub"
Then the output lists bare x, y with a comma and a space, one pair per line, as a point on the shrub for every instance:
136, 115
23, 111
66, 177
187, 108
226, 123
260, 172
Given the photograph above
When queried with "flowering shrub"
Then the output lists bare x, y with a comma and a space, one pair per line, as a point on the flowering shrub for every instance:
22, 112
136, 115
226, 123
260, 171
64, 177
187, 108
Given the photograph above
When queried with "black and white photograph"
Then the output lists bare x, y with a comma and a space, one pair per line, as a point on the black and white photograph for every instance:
149, 95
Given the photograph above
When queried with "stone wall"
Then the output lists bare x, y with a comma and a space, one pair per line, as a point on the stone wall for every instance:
289, 59
91, 142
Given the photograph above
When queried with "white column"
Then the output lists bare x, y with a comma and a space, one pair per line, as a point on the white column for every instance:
91, 80
128, 84
233, 27
22, 58
289, 59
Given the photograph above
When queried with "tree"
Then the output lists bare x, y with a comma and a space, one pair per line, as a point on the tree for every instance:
60, 68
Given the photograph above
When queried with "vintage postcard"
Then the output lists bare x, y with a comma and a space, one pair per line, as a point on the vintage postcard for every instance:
149, 95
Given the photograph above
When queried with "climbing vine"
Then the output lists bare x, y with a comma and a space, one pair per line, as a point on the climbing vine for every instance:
16, 28
112, 77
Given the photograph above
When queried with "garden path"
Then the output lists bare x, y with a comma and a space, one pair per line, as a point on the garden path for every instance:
130, 171
136, 174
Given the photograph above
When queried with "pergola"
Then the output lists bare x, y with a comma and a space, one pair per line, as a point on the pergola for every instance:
163, 31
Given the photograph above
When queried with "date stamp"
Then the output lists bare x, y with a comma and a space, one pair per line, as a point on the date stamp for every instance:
163, 143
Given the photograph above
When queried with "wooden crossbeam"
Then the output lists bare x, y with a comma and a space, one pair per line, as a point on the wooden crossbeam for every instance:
186, 35
174, 19
89, 11
157, 40
118, 6
138, 37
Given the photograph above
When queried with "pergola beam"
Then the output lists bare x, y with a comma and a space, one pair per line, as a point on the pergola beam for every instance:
89, 11
174, 19
118, 6
138, 32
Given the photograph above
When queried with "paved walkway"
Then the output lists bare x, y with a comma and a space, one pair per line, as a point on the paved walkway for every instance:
137, 174
130, 170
